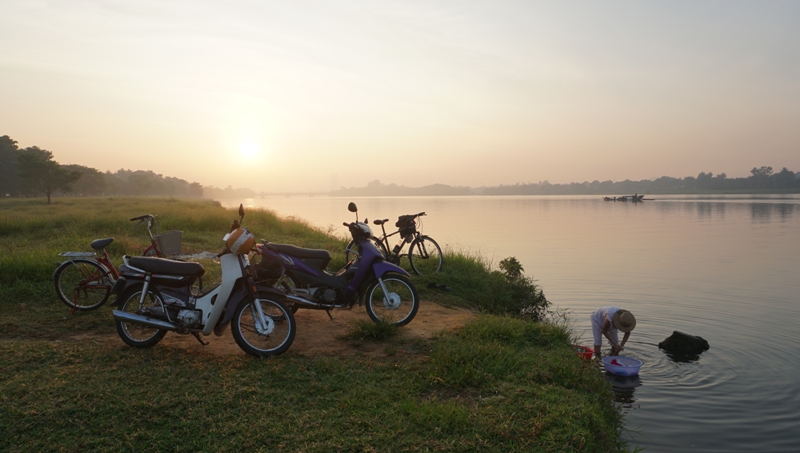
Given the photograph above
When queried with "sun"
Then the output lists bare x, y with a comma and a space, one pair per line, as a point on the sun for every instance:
249, 150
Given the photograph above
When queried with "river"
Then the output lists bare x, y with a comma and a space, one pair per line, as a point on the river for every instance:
726, 268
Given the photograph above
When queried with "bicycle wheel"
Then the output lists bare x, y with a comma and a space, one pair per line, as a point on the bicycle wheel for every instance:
83, 284
353, 249
263, 339
139, 335
425, 256
398, 305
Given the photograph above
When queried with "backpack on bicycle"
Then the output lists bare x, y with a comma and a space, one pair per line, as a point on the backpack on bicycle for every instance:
407, 226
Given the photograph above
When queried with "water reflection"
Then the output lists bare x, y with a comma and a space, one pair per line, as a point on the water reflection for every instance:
710, 210
682, 358
624, 388
764, 212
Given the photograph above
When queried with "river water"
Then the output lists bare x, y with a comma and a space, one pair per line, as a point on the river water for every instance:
726, 268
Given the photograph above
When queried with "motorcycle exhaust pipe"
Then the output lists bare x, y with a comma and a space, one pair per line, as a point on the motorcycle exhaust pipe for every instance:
144, 320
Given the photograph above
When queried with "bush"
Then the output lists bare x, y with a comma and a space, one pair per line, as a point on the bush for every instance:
528, 299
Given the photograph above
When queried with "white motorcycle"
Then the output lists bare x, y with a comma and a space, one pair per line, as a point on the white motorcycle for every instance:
157, 295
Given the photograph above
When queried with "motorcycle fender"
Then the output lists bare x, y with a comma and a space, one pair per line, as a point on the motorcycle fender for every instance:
382, 267
240, 294
120, 287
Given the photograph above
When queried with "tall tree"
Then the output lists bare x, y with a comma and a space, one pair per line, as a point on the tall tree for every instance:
9, 152
40, 173
91, 182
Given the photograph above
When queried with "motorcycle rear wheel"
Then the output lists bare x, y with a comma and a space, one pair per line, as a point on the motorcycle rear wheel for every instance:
263, 340
138, 335
401, 305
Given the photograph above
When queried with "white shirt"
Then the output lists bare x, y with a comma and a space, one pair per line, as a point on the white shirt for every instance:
600, 315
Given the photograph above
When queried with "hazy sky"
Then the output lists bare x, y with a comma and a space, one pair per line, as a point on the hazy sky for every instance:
302, 95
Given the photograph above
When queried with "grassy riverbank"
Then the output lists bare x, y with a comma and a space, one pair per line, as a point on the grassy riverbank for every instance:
498, 384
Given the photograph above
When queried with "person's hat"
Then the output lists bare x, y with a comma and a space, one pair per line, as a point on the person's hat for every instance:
624, 320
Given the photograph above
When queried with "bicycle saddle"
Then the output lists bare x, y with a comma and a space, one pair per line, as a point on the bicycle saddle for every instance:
99, 244
380, 222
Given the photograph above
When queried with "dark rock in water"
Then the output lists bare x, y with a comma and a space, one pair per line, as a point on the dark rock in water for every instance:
685, 344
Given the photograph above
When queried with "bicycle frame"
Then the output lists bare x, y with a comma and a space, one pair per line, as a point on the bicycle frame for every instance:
384, 239
95, 268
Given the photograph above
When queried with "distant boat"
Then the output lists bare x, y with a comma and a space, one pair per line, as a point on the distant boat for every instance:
632, 198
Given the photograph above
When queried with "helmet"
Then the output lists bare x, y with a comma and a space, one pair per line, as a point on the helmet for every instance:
240, 241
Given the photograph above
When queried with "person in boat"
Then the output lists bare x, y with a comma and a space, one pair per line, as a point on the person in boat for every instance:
607, 322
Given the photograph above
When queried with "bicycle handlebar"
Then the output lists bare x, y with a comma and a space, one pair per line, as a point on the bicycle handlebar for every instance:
142, 217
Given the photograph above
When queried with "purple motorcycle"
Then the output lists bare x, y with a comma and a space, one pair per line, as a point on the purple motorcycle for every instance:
384, 287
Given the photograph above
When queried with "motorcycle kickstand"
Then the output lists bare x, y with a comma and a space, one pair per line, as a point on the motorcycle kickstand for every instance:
329, 314
204, 343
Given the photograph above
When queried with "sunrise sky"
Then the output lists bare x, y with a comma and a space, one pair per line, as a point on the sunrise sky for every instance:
309, 95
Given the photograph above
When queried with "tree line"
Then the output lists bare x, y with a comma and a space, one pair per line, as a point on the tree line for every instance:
377, 189
760, 179
32, 171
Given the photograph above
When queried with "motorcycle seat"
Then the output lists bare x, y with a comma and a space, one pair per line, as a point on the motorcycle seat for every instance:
301, 252
165, 266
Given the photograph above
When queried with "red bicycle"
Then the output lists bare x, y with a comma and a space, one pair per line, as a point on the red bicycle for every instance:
84, 280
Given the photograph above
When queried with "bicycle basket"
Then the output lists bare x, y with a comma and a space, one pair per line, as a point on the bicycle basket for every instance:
170, 242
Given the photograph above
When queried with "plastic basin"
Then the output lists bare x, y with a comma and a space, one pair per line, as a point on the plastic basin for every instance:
584, 352
622, 366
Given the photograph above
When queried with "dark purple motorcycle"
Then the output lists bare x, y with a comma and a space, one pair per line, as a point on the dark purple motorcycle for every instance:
383, 287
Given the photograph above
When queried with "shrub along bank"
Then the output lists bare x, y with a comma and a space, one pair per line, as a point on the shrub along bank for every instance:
501, 383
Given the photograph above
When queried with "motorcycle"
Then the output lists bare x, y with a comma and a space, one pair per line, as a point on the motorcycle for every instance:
156, 295
383, 287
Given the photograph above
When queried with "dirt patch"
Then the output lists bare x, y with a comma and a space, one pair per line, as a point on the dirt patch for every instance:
318, 335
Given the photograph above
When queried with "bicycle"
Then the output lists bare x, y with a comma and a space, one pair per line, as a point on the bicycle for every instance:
424, 255
84, 281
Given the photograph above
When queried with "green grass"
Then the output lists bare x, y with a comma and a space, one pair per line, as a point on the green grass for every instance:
366, 329
498, 384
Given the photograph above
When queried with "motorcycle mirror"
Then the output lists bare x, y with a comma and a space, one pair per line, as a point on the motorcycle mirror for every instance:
352, 207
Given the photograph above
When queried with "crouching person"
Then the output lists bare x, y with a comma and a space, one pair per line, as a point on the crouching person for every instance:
606, 322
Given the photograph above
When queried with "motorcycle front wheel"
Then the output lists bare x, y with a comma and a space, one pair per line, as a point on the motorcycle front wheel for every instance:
398, 305
139, 335
271, 337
